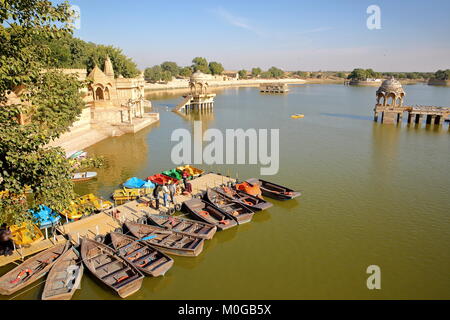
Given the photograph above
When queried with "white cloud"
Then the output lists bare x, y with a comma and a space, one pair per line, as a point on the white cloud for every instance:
235, 20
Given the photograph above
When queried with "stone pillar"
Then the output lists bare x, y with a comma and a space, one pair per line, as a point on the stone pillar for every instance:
429, 119
400, 117
439, 120
389, 117
375, 116
419, 119
411, 117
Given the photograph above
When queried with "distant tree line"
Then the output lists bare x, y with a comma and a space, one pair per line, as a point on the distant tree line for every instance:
442, 75
73, 53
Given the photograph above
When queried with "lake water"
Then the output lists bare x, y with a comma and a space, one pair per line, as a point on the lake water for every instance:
373, 194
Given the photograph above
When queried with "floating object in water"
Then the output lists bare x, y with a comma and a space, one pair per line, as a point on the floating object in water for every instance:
273, 190
184, 226
242, 213
136, 183
31, 270
297, 116
64, 277
252, 202
98, 203
83, 176
46, 217
192, 171
162, 179
167, 241
210, 214
147, 259
26, 234
114, 271
76, 154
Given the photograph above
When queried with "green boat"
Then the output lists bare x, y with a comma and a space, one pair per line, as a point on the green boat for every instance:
174, 173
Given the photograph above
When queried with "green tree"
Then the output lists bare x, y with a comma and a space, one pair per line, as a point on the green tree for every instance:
275, 72
256, 72
442, 74
358, 74
215, 68
50, 101
341, 75
200, 64
266, 75
153, 74
242, 74
186, 72
171, 67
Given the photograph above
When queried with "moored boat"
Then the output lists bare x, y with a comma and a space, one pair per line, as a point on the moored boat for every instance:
174, 173
184, 226
147, 259
210, 214
242, 213
162, 179
252, 202
98, 203
45, 217
31, 270
190, 170
273, 190
112, 270
64, 277
26, 234
83, 176
167, 241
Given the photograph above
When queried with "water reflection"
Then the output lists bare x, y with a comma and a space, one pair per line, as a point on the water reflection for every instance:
348, 116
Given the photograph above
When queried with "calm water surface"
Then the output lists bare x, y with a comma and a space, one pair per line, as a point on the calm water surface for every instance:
372, 194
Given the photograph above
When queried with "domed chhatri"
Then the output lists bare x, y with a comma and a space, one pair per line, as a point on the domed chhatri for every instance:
391, 89
199, 83
199, 76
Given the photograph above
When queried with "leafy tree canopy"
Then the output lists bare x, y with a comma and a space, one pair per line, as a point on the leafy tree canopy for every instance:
50, 101
276, 72
256, 72
216, 68
200, 64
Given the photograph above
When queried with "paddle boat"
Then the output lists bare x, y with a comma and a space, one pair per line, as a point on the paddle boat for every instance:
83, 176
76, 154
45, 217
162, 179
123, 195
26, 234
192, 171
297, 116
136, 183
174, 173
98, 203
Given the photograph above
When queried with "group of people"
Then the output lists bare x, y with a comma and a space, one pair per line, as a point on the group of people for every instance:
169, 190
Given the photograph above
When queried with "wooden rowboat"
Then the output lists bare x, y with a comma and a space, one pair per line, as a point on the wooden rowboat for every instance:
167, 241
242, 213
83, 176
252, 202
64, 277
273, 190
113, 271
184, 226
147, 259
210, 214
31, 270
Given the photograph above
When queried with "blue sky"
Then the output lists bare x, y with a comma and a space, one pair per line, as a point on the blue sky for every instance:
293, 35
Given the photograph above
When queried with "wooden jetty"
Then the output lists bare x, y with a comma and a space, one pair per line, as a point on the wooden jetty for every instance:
89, 227
21, 253
273, 88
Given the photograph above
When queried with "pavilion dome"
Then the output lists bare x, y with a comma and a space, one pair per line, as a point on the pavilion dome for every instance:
391, 86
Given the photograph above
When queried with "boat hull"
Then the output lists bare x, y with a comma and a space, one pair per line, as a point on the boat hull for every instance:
275, 191
181, 225
195, 206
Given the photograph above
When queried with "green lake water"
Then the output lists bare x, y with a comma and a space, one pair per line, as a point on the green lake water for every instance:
373, 194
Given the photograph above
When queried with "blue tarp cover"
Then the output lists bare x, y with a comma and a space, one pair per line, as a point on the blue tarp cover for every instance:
136, 183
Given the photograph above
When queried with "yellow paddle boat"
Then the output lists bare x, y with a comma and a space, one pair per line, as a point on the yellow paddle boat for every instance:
192, 171
26, 234
124, 194
73, 212
99, 203
297, 116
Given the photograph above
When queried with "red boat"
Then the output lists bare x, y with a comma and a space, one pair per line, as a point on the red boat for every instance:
162, 179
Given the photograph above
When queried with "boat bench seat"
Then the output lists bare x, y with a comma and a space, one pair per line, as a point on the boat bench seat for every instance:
136, 252
127, 281
109, 275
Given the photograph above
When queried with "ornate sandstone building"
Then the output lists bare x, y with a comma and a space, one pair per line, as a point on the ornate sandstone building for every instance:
114, 106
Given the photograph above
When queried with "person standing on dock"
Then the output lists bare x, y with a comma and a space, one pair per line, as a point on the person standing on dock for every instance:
156, 192
165, 191
172, 191
185, 176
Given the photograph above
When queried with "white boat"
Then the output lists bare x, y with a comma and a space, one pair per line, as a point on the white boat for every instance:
83, 176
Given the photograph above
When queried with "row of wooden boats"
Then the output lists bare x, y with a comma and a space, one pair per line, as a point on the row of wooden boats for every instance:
144, 249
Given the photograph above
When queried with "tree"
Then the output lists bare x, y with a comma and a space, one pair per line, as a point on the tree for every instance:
171, 67
275, 72
242, 74
256, 72
341, 75
153, 74
358, 74
50, 101
186, 72
442, 74
200, 64
266, 75
215, 68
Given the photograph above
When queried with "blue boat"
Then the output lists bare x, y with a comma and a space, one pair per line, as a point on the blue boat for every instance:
46, 217
136, 183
